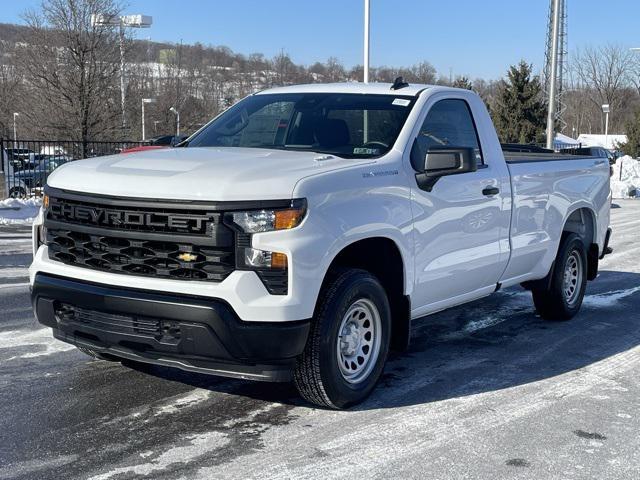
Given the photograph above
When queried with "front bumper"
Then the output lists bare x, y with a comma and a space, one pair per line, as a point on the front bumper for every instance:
191, 333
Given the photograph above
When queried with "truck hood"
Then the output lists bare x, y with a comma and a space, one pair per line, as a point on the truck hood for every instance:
207, 173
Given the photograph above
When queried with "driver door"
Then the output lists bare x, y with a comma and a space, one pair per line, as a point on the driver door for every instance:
458, 225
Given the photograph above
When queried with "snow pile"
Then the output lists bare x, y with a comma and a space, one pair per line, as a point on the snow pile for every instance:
19, 210
627, 185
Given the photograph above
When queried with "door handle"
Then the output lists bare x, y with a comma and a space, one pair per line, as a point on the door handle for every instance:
489, 191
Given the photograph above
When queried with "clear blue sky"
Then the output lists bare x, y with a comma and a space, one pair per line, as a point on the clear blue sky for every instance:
471, 37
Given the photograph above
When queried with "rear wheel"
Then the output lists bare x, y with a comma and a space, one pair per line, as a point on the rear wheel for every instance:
348, 343
562, 298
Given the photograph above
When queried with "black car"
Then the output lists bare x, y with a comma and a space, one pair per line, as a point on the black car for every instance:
37, 176
599, 152
168, 140
18, 157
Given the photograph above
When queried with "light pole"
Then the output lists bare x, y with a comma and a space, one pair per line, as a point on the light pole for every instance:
132, 21
367, 15
605, 110
177, 114
367, 22
144, 101
15, 135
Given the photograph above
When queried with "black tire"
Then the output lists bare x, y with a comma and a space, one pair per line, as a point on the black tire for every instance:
318, 375
17, 192
98, 355
554, 302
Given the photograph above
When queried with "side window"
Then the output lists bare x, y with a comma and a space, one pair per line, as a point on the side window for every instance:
449, 123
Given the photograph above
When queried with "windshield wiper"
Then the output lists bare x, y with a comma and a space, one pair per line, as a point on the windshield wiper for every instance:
297, 149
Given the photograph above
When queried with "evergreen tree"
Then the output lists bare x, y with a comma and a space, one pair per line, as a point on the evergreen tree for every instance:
520, 113
632, 147
462, 82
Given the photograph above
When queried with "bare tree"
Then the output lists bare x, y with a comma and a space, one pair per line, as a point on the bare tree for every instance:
11, 91
423, 72
334, 71
634, 74
604, 74
71, 69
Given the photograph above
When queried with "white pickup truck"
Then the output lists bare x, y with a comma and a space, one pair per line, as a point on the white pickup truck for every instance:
298, 234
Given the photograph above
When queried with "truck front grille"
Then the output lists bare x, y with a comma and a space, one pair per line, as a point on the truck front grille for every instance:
140, 257
183, 242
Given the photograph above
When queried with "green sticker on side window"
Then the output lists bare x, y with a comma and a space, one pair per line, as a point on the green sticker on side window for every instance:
366, 151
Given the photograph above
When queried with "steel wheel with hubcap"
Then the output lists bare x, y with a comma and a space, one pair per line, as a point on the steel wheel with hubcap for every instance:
358, 342
572, 277
348, 342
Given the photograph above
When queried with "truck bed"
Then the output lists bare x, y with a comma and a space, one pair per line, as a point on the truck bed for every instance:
528, 157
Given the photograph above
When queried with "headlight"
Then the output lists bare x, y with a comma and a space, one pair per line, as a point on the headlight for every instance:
268, 220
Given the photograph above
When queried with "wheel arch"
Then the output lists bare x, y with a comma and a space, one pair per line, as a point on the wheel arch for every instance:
382, 257
582, 221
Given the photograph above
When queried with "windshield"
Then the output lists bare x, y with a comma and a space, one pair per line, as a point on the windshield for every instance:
345, 125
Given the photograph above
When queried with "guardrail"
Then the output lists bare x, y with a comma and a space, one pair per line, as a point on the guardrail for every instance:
26, 164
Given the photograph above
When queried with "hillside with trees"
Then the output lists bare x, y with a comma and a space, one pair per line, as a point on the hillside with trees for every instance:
62, 74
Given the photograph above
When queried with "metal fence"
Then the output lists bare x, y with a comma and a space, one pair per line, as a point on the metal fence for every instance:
26, 164
567, 146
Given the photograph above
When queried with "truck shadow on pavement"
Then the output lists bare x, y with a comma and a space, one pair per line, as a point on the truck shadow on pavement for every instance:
487, 345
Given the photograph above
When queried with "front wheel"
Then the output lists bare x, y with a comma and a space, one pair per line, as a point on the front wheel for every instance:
562, 297
348, 343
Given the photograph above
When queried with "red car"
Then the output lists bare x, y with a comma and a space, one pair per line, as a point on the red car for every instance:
156, 143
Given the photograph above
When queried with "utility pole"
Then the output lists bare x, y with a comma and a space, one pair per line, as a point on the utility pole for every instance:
365, 114
175, 111
606, 109
144, 101
366, 40
131, 21
123, 91
553, 84
15, 135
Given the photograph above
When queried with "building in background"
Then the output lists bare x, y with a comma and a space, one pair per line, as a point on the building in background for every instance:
592, 140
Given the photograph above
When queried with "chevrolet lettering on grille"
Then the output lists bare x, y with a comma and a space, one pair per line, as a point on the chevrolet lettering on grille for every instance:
122, 218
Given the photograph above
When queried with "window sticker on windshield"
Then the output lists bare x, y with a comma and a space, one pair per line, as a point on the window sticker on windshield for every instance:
366, 151
403, 102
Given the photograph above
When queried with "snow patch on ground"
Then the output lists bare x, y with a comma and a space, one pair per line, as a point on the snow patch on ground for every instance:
29, 467
192, 398
626, 185
19, 210
518, 299
39, 338
251, 416
608, 299
191, 448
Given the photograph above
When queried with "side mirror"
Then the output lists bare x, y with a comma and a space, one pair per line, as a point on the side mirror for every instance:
444, 161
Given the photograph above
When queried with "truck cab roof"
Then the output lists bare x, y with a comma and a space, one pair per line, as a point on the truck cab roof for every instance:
413, 89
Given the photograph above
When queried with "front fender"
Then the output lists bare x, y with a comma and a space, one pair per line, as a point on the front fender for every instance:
338, 216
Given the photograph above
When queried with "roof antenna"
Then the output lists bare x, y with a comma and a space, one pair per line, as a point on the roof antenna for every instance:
399, 83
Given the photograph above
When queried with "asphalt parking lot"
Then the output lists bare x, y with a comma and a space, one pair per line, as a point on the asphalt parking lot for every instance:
488, 390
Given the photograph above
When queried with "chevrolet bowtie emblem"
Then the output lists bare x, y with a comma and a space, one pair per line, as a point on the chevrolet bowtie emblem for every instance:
187, 257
